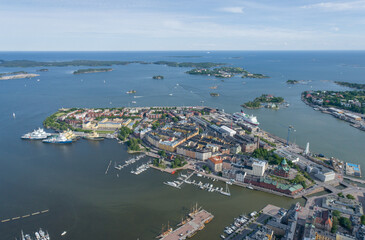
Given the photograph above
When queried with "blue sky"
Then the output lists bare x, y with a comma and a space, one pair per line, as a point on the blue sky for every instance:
81, 25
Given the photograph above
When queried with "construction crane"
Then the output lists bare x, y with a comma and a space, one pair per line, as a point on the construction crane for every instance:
290, 129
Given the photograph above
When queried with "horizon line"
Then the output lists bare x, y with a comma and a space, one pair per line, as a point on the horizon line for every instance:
221, 50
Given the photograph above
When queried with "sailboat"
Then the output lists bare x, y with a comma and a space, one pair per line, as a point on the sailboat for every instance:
227, 192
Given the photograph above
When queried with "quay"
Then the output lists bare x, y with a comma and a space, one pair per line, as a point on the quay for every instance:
197, 222
24, 216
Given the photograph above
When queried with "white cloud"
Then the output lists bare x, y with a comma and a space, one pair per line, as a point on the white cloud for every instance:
337, 6
232, 9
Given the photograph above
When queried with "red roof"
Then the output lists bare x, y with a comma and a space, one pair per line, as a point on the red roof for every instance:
216, 159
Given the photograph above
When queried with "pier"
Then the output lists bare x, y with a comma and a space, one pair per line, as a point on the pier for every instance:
129, 162
24, 216
197, 222
207, 186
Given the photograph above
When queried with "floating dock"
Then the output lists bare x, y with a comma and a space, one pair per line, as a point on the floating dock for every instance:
24, 216
196, 222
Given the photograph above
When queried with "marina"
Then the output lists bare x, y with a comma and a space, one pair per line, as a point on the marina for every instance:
238, 223
129, 162
39, 235
141, 168
203, 186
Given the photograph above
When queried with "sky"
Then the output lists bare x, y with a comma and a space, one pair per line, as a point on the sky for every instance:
138, 25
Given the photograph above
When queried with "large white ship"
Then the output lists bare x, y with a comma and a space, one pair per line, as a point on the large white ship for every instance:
251, 119
60, 139
37, 134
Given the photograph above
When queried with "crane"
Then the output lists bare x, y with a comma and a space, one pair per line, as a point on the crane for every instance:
290, 129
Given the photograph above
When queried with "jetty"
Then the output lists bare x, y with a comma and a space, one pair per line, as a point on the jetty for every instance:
129, 162
196, 221
24, 216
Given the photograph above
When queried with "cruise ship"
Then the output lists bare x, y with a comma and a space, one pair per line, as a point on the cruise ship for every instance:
37, 134
251, 119
40, 235
60, 139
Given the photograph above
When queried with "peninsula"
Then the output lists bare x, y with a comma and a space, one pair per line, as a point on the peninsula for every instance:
17, 75
345, 105
209, 142
359, 86
265, 100
92, 70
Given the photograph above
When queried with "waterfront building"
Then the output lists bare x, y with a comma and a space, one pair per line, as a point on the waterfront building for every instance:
215, 163
321, 173
194, 152
262, 233
268, 183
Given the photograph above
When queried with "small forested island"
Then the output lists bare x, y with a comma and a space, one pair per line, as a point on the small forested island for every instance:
353, 101
214, 94
352, 85
158, 77
92, 70
292, 82
254, 75
96, 63
17, 75
224, 72
42, 70
265, 100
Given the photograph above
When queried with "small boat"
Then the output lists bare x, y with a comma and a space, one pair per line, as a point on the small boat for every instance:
63, 233
134, 102
94, 136
13, 115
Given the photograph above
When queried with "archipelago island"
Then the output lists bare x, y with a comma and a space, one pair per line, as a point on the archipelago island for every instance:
92, 70
265, 100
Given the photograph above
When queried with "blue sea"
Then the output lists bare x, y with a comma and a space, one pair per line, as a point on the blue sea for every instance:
70, 180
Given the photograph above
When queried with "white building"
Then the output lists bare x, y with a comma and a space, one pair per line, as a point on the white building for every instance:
259, 168
228, 131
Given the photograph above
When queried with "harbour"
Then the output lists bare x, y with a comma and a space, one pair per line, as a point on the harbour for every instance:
87, 196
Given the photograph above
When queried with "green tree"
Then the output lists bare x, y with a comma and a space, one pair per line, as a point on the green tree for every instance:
346, 223
363, 219
336, 213
349, 196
